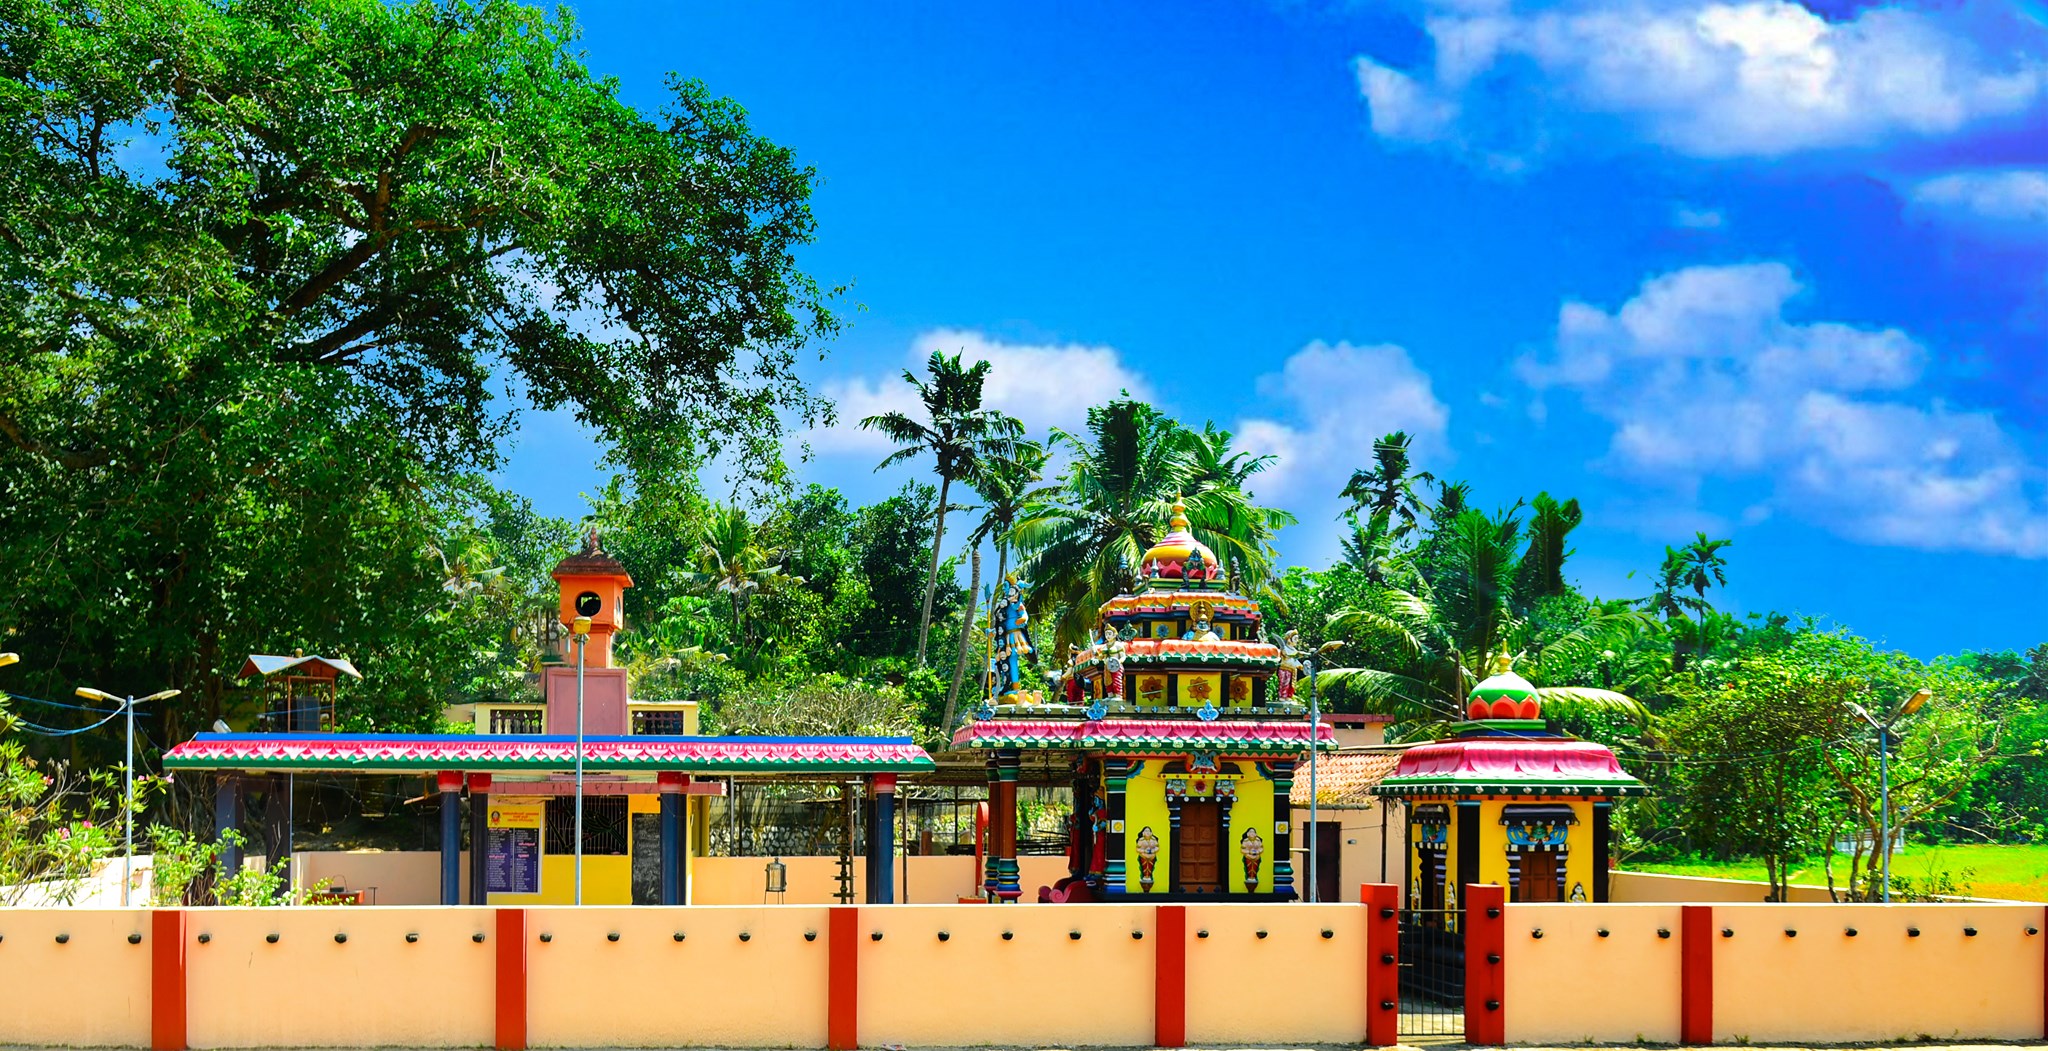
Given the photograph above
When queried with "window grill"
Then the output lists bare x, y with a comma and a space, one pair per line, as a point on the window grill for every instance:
668, 723
604, 825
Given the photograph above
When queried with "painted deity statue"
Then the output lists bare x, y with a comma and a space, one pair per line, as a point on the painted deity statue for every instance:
1011, 638
1290, 664
1148, 855
1112, 662
1252, 847
1201, 630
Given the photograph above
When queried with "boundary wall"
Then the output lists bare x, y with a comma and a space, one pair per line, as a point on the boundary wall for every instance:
1159, 975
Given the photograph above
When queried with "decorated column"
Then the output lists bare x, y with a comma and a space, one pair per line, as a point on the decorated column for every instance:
1282, 773
227, 817
1115, 773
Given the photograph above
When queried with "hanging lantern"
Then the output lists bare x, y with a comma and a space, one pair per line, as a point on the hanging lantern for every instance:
778, 877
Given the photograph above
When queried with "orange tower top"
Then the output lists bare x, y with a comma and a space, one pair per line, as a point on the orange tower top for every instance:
594, 585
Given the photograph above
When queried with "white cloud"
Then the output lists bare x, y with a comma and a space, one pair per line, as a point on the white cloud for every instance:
1762, 78
1330, 403
1697, 218
1702, 375
1044, 385
2017, 196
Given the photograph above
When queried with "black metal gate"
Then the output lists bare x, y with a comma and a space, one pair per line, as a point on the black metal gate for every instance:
1432, 973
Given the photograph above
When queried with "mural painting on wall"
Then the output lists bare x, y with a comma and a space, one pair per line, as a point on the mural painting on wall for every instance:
1253, 849
1151, 689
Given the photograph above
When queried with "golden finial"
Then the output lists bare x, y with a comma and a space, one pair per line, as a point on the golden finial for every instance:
1179, 521
1501, 664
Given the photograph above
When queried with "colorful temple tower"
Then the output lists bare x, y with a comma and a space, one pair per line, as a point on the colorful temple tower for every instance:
1506, 802
1181, 725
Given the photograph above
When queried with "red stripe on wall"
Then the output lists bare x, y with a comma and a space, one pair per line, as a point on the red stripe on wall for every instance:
1696, 974
167, 980
1485, 964
1170, 977
511, 979
842, 996
1382, 963
2044, 971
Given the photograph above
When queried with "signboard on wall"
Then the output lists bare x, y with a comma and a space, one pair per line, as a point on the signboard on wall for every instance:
646, 859
512, 847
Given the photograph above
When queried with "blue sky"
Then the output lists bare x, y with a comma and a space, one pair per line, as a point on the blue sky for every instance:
1775, 272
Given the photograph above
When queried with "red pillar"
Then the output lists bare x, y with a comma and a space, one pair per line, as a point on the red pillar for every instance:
842, 996
1696, 974
2043, 928
1485, 966
511, 1013
1383, 963
167, 980
1170, 977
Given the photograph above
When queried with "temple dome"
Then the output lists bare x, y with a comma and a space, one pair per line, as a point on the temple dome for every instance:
1178, 557
1503, 694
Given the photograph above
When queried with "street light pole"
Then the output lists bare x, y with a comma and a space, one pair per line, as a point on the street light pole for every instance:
1315, 726
127, 704
1884, 779
581, 628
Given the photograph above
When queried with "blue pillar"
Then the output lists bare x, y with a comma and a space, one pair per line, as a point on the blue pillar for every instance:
882, 839
674, 845
479, 835
227, 817
450, 784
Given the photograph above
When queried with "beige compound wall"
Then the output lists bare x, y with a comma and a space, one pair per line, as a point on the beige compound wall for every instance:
1292, 986
1572, 985
308, 989
1041, 987
1661, 887
91, 989
711, 989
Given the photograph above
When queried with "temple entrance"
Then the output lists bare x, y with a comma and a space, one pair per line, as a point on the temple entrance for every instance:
1537, 880
1432, 973
1201, 847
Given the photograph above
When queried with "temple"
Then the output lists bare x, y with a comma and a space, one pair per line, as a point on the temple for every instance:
1507, 802
1180, 725
646, 772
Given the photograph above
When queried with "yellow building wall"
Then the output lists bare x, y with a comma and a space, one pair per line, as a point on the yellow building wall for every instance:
607, 878
1145, 807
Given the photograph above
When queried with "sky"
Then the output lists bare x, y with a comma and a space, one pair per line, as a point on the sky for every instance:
1774, 272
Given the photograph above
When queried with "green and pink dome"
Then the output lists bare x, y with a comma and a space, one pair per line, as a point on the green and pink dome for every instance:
1503, 694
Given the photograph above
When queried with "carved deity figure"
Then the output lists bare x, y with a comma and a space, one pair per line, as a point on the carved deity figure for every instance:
1252, 847
1148, 856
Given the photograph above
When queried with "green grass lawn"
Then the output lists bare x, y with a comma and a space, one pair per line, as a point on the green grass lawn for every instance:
1998, 870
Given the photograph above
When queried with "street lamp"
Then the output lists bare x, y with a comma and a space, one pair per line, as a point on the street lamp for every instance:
580, 627
1315, 736
1884, 775
127, 772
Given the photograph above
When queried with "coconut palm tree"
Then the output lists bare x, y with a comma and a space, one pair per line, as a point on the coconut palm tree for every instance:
957, 431
1697, 566
1003, 480
1389, 487
1082, 537
733, 565
1434, 638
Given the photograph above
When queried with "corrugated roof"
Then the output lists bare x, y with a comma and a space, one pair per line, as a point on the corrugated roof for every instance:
266, 664
1345, 779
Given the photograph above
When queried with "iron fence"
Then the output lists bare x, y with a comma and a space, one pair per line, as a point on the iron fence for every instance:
1432, 973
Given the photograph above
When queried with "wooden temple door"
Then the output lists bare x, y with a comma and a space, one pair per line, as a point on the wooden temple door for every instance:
1201, 847
1538, 879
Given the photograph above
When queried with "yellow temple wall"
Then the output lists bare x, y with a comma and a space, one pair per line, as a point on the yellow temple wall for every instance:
1145, 806
1493, 844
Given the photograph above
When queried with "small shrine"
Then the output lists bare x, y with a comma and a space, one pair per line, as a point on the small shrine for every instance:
1180, 722
1507, 802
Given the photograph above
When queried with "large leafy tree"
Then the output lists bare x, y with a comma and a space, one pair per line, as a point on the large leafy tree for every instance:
1082, 537
958, 432
1386, 490
266, 262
